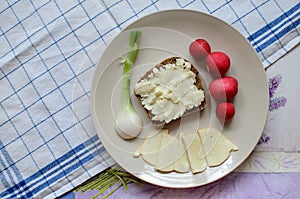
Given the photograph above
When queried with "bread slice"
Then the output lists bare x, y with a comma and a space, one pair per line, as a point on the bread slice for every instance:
198, 83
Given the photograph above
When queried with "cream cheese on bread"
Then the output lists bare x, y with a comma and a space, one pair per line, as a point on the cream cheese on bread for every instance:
169, 91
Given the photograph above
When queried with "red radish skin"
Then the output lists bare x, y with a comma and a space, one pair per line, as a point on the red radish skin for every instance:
199, 49
218, 63
224, 88
225, 111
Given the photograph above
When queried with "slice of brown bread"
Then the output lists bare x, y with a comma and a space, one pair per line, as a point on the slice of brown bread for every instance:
198, 83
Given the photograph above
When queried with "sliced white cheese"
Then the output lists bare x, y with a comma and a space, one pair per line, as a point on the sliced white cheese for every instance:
150, 146
216, 146
164, 151
182, 163
195, 152
166, 156
172, 155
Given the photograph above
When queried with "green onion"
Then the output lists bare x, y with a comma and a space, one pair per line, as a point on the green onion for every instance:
128, 123
112, 177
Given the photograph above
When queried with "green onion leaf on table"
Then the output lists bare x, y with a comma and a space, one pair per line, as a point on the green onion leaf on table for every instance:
113, 178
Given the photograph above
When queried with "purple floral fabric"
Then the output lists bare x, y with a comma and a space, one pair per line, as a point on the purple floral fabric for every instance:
235, 185
275, 102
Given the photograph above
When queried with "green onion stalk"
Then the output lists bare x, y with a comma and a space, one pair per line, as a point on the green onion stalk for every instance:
128, 124
108, 182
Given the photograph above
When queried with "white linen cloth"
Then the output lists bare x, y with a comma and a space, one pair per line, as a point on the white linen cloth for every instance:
48, 144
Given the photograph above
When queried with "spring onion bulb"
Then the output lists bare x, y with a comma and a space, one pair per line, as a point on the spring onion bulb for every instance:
128, 124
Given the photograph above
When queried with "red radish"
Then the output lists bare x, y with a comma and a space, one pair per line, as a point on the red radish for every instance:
224, 88
199, 49
217, 63
225, 111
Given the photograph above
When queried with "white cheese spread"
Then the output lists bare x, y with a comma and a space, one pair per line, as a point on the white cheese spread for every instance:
169, 91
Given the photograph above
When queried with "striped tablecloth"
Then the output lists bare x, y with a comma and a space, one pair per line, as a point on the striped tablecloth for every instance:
48, 144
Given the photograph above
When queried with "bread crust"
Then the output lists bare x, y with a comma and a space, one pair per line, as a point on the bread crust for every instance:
198, 83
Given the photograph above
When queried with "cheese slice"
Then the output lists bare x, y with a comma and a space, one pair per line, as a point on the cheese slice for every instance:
150, 146
166, 156
164, 151
195, 152
216, 146
182, 163
172, 155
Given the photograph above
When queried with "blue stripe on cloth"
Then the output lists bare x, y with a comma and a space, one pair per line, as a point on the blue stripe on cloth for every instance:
15, 190
8, 159
60, 175
23, 183
2, 176
12, 166
278, 27
278, 35
3, 179
68, 170
265, 29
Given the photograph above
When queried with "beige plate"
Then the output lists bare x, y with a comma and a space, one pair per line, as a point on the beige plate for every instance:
166, 34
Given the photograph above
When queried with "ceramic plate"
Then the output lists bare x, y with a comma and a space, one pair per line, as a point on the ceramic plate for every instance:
166, 34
